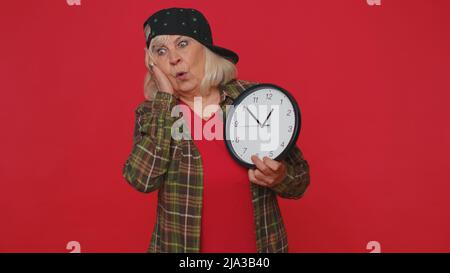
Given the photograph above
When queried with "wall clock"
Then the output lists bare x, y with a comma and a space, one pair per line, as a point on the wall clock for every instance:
264, 120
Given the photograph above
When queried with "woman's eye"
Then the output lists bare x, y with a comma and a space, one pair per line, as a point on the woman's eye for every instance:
183, 43
160, 51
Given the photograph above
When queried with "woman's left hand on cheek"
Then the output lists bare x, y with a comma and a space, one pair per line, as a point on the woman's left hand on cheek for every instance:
268, 172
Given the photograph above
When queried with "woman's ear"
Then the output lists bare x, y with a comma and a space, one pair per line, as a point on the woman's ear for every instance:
147, 57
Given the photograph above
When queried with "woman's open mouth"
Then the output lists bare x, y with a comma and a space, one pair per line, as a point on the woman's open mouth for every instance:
181, 75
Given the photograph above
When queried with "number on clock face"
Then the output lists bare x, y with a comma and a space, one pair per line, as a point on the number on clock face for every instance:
265, 121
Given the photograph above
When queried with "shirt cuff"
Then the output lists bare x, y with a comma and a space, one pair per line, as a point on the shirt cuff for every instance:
163, 101
284, 185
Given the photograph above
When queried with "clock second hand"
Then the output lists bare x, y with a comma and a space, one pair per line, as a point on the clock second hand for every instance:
254, 125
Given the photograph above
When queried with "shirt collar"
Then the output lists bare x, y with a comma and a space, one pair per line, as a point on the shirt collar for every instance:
225, 93
227, 96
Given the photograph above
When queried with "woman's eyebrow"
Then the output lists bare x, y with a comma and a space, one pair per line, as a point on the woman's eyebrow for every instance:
159, 44
178, 38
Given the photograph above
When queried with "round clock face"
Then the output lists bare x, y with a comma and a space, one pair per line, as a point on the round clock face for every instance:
264, 121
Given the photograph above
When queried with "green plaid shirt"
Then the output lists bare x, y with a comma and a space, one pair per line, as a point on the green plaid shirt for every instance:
174, 168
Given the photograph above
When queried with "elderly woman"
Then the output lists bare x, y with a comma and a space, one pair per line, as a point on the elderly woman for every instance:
207, 202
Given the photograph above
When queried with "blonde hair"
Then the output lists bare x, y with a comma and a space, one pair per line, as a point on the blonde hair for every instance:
218, 71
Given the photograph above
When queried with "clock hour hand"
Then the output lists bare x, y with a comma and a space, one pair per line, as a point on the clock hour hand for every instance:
253, 115
268, 116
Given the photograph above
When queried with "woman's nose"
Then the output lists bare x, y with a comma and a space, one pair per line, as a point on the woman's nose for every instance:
174, 58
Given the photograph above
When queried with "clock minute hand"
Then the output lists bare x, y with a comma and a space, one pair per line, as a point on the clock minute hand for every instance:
253, 116
268, 116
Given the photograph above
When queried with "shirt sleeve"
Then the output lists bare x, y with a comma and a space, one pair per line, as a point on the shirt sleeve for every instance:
297, 179
149, 159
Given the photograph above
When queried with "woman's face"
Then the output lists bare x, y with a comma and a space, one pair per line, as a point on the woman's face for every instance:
182, 59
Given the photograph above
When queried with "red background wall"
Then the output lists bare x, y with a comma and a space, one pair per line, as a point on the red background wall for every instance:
372, 82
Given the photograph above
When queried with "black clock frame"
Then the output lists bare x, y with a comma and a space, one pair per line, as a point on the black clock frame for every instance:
239, 99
